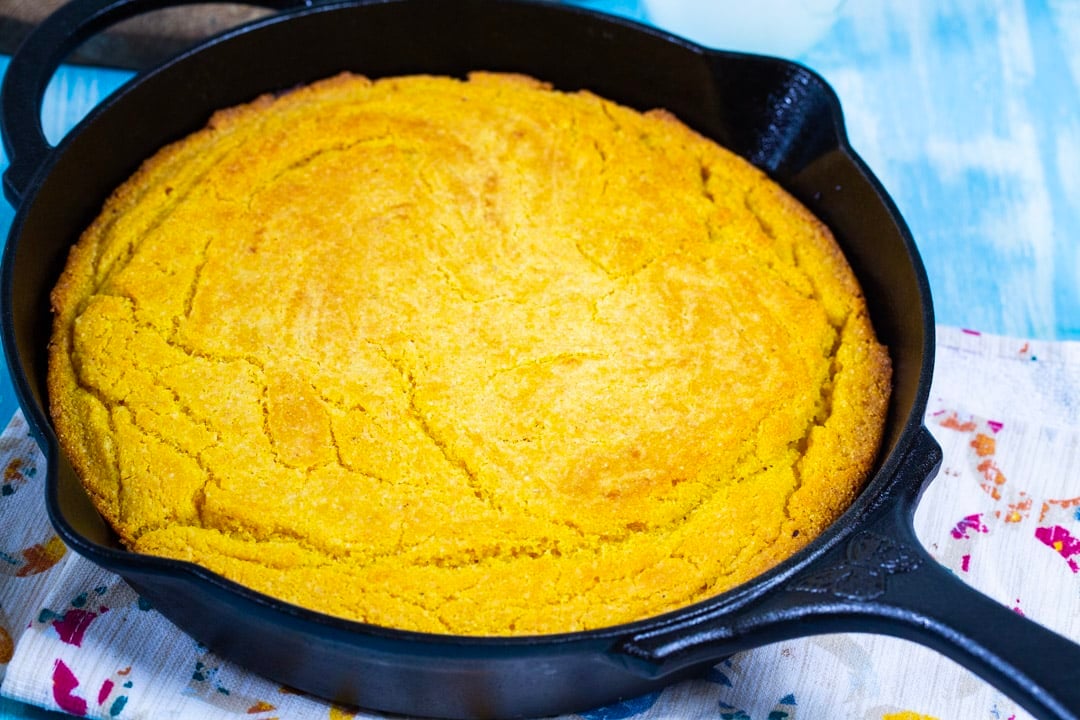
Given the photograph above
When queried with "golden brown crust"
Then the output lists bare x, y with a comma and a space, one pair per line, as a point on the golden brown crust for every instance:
464, 356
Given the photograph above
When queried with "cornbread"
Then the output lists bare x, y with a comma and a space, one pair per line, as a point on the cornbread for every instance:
464, 356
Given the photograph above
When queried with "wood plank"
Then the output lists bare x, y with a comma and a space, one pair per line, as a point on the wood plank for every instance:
135, 43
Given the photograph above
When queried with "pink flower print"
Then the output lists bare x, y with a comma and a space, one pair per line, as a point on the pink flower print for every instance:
106, 689
64, 683
1062, 541
972, 523
72, 624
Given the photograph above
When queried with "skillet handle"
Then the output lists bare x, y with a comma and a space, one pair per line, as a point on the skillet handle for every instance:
879, 579
35, 61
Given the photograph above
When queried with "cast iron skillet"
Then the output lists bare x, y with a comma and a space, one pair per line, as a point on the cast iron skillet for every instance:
867, 573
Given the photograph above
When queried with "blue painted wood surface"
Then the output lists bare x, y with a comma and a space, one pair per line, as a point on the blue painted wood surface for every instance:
967, 110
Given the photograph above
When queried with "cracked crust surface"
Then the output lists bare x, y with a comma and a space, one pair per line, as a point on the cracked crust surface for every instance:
474, 357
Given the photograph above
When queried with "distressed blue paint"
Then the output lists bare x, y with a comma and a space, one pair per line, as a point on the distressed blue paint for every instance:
13, 710
960, 108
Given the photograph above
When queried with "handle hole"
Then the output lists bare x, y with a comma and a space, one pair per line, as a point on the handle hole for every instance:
71, 93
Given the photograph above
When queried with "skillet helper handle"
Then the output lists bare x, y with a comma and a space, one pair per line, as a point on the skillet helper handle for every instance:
879, 579
35, 61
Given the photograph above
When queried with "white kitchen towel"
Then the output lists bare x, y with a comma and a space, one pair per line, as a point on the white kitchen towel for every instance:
1003, 514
